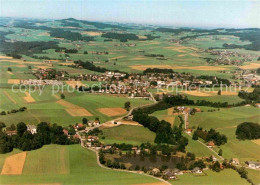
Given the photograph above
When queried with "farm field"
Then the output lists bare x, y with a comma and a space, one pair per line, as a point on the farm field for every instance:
47, 108
225, 122
78, 166
225, 177
134, 135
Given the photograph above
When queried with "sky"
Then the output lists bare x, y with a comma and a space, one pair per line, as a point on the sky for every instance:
176, 13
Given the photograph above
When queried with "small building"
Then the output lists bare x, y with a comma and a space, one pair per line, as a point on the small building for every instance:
11, 132
92, 138
93, 123
176, 171
32, 129
235, 161
65, 132
253, 164
196, 170
211, 144
188, 131
214, 158
155, 171
169, 175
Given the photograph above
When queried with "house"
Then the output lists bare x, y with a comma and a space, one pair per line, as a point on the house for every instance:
214, 158
211, 144
92, 138
66, 132
188, 131
155, 171
11, 132
235, 161
32, 129
253, 164
93, 123
176, 171
169, 175
196, 170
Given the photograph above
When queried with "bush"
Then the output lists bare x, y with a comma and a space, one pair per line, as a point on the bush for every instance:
248, 130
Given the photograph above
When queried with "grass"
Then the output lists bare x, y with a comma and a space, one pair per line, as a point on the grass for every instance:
129, 134
45, 107
225, 122
225, 177
83, 169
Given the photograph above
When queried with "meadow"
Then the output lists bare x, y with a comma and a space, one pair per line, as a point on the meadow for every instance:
225, 121
129, 134
225, 177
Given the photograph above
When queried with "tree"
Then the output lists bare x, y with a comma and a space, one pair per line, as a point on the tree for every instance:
220, 152
219, 92
21, 128
2, 125
243, 173
84, 120
9, 69
195, 136
62, 96
216, 167
127, 105
85, 52
3, 113
248, 130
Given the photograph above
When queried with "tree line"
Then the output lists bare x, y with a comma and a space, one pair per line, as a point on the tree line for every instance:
24, 140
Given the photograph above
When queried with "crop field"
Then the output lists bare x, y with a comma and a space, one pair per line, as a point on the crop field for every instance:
47, 107
68, 165
129, 134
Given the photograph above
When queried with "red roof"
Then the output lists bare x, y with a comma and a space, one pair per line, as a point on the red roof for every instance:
211, 143
80, 125
66, 132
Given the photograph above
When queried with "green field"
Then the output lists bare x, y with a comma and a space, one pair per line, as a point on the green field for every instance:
134, 135
79, 167
225, 177
225, 121
45, 107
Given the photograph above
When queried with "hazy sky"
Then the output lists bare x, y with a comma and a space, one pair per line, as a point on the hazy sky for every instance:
194, 13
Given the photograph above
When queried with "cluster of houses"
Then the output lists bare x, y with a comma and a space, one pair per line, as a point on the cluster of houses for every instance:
30, 128
41, 82
226, 57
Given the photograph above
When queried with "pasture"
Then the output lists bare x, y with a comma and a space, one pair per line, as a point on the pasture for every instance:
129, 134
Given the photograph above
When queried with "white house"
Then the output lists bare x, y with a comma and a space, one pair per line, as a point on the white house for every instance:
253, 164
32, 129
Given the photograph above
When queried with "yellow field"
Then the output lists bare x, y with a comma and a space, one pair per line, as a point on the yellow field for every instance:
75, 83
13, 81
28, 98
257, 141
91, 33
74, 110
112, 111
251, 66
14, 164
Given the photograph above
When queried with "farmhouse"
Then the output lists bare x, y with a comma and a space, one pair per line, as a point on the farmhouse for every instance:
176, 171
235, 161
196, 170
11, 132
93, 123
32, 129
169, 175
211, 144
253, 164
